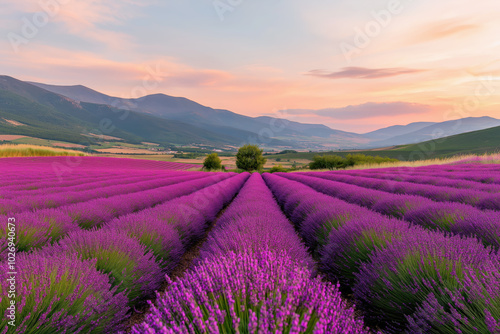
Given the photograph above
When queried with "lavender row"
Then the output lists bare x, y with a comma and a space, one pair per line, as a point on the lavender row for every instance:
473, 174
429, 179
46, 226
87, 281
480, 199
447, 168
92, 164
28, 203
250, 224
457, 218
253, 275
406, 278
21, 179
96, 183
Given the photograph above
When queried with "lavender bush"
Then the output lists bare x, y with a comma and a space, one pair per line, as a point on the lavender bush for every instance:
61, 294
263, 292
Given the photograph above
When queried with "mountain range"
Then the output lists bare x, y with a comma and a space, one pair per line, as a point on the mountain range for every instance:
77, 113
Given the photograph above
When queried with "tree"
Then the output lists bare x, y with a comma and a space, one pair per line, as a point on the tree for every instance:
249, 158
212, 162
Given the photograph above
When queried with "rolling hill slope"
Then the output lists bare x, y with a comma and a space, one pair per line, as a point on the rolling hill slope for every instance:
476, 142
48, 115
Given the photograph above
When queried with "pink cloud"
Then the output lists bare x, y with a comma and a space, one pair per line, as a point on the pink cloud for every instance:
363, 73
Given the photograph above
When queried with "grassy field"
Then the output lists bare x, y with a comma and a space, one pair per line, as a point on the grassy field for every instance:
7, 151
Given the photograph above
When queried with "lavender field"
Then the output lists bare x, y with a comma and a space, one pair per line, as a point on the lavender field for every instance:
91, 245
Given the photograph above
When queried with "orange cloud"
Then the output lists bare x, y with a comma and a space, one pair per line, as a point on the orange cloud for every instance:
444, 29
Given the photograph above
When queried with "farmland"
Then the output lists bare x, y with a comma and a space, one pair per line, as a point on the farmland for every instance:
109, 245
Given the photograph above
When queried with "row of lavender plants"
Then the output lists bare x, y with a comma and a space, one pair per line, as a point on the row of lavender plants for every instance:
20, 179
253, 275
71, 165
426, 179
457, 218
480, 199
87, 281
41, 201
79, 180
487, 176
406, 278
48, 187
49, 225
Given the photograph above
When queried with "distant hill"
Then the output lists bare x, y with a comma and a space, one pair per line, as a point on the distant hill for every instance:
439, 130
225, 122
396, 130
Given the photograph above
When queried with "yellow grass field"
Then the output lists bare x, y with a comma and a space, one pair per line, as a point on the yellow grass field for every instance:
8, 151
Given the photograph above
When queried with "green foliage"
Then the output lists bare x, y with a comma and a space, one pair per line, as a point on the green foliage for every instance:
333, 162
186, 156
249, 158
288, 152
330, 162
278, 169
212, 162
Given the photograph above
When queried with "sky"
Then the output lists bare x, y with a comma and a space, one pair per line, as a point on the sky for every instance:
349, 64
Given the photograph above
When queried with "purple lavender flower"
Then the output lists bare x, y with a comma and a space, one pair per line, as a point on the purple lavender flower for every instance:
61, 294
263, 292
129, 264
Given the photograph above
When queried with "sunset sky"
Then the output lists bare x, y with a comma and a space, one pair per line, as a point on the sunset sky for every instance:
352, 65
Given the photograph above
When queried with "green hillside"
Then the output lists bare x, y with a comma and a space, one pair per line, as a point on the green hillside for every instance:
476, 142
46, 115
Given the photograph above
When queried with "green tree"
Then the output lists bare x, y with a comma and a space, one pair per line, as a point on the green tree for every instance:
212, 162
249, 158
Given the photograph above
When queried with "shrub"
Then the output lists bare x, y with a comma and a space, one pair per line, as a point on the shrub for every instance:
330, 162
249, 158
212, 162
278, 169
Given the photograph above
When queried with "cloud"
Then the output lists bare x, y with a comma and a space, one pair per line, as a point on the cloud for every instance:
363, 73
95, 21
366, 110
489, 69
444, 29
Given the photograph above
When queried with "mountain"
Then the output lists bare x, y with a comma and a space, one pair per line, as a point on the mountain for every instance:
396, 130
440, 130
48, 115
69, 111
224, 122
78, 93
